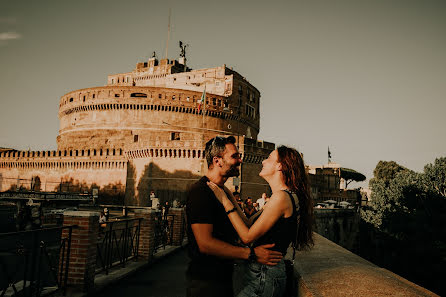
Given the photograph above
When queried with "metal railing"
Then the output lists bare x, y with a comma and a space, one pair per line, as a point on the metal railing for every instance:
118, 242
38, 196
163, 231
35, 263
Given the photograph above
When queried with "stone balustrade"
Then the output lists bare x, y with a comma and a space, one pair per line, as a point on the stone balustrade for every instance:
330, 270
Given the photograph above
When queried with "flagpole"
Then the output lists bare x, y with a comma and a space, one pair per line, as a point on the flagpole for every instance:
203, 101
203, 110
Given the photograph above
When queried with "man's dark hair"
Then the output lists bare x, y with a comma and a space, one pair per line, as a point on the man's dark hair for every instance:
216, 146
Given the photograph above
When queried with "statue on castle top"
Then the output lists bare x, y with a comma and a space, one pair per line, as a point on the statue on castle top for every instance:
183, 49
154, 54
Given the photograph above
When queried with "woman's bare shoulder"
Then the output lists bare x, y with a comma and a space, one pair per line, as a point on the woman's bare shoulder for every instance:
279, 196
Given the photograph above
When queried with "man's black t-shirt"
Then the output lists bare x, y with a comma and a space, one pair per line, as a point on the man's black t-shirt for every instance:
202, 207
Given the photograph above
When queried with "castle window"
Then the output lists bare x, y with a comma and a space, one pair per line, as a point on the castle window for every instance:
174, 79
71, 99
135, 138
173, 97
116, 95
84, 98
159, 96
94, 95
175, 136
240, 90
214, 101
250, 111
113, 81
138, 95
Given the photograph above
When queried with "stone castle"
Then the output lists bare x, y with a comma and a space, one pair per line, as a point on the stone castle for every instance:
145, 130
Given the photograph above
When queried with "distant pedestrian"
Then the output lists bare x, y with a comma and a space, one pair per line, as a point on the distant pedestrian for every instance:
262, 200
102, 220
166, 210
249, 208
106, 213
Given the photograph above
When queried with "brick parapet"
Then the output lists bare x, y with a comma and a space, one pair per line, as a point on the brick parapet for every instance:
147, 232
178, 225
82, 261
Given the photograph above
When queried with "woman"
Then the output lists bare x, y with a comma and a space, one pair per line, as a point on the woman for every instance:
285, 219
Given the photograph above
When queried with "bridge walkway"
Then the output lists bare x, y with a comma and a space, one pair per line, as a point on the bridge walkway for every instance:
165, 278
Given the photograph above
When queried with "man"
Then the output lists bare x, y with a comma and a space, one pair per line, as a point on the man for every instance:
212, 239
261, 201
166, 210
249, 208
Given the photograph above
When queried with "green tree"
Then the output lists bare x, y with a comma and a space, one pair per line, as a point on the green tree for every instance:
386, 170
389, 191
434, 178
408, 214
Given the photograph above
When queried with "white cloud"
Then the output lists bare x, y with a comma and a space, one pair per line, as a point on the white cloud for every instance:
9, 36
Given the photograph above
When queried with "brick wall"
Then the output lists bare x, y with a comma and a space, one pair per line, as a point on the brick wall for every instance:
82, 261
178, 225
147, 233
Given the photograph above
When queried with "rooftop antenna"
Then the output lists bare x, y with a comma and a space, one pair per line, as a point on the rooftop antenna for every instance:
168, 34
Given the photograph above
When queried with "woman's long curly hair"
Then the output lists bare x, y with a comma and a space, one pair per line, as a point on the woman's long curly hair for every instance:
296, 179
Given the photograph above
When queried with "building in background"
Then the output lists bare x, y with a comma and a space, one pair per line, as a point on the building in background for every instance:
329, 185
145, 130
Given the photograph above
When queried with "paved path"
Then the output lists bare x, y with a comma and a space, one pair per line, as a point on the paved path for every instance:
165, 278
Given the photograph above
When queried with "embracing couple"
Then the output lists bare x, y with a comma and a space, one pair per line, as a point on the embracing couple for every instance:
220, 233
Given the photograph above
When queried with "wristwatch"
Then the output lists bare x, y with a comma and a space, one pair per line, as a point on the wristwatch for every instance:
252, 255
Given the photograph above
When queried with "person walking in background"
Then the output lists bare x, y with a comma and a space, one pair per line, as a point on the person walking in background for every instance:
261, 201
238, 199
166, 210
212, 239
287, 218
249, 208
102, 220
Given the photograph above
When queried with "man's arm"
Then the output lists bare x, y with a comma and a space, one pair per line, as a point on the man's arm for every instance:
210, 245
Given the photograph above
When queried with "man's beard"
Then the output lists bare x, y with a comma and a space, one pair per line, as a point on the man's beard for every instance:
232, 171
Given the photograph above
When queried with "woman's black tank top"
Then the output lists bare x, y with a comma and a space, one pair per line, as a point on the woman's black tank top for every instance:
283, 232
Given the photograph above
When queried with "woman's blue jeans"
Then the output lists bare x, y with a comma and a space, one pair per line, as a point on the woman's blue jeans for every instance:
262, 280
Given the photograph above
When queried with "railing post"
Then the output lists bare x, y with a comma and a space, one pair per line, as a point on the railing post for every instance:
109, 248
146, 241
178, 225
82, 257
124, 247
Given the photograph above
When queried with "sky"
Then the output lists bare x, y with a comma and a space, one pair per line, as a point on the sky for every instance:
366, 78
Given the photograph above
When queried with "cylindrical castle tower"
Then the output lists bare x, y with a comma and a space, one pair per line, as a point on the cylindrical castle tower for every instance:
141, 109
